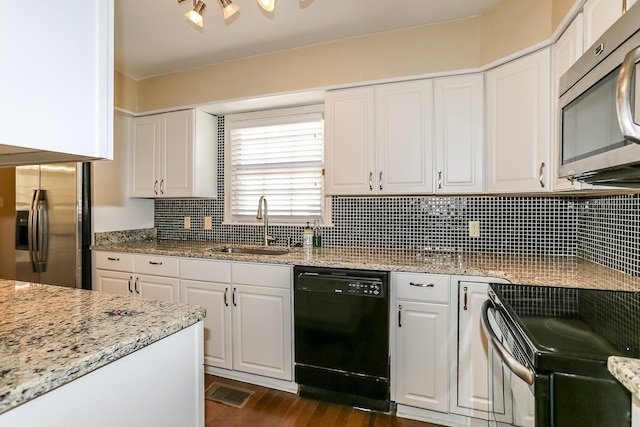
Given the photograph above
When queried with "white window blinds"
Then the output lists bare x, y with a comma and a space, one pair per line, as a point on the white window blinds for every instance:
280, 158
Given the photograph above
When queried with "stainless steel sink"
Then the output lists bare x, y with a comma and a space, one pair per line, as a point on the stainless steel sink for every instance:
254, 251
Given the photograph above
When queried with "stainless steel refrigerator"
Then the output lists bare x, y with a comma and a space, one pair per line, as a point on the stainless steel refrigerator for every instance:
49, 212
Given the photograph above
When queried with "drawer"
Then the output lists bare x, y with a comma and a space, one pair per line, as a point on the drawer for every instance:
275, 276
206, 271
116, 261
156, 265
422, 287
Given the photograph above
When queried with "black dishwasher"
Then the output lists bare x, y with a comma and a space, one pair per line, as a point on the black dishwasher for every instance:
341, 323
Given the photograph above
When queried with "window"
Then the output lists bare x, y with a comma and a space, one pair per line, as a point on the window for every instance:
277, 154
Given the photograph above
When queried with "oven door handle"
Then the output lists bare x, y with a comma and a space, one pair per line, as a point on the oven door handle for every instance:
624, 91
514, 366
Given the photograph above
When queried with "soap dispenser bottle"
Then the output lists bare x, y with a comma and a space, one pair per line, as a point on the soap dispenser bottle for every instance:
317, 239
307, 237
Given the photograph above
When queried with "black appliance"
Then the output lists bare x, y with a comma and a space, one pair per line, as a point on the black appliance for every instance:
341, 323
552, 346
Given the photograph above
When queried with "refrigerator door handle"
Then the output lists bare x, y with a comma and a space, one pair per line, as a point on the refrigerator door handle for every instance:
39, 231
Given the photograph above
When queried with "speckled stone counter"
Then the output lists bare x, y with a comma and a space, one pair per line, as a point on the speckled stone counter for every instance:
521, 269
627, 371
51, 335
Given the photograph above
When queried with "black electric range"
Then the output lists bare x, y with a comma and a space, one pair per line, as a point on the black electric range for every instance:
563, 337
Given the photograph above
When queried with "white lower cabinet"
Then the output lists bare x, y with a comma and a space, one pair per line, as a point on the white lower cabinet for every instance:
248, 325
420, 365
118, 273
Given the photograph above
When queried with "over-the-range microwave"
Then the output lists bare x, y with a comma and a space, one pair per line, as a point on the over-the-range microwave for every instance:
600, 109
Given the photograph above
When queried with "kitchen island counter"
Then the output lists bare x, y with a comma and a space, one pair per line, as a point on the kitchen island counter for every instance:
51, 336
542, 270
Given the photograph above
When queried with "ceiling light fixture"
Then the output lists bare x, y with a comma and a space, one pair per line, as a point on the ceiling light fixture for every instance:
228, 8
196, 14
267, 5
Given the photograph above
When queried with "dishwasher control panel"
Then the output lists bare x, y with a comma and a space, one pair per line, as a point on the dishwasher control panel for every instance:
363, 288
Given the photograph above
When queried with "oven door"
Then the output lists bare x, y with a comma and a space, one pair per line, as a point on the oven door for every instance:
510, 381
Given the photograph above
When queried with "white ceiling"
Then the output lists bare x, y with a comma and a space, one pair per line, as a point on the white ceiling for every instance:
152, 36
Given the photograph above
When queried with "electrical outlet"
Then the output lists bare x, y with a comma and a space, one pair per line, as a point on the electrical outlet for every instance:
474, 228
207, 223
187, 222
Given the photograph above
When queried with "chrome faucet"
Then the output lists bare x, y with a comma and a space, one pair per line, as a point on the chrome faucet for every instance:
266, 239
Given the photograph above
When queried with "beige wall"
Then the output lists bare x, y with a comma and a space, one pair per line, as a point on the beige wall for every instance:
513, 25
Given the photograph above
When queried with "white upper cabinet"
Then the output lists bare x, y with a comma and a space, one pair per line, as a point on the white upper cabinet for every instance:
174, 155
566, 51
349, 141
459, 131
599, 15
404, 150
518, 125
57, 65
378, 139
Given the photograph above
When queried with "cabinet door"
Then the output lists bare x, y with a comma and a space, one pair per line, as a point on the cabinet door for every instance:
566, 52
404, 146
157, 288
473, 379
177, 154
349, 141
114, 282
599, 15
216, 299
518, 125
421, 365
459, 134
262, 342
145, 156
60, 69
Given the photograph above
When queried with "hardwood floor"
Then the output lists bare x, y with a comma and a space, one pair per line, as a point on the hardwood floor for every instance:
273, 408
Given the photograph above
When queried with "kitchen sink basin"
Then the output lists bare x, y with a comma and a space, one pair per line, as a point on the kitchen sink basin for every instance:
254, 251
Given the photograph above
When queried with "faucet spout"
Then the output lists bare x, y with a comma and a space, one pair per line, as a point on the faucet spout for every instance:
263, 214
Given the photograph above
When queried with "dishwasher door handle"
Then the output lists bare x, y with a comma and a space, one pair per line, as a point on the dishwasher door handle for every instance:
514, 366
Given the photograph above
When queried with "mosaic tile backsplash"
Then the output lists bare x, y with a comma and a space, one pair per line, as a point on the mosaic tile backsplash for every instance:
605, 229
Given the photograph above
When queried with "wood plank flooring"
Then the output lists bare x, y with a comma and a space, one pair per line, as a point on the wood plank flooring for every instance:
273, 408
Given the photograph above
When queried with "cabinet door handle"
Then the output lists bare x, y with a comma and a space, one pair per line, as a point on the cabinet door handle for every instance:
422, 285
155, 262
371, 181
162, 186
399, 316
380, 180
465, 299
129, 284
155, 187
624, 6
542, 165
226, 291
440, 180
233, 297
113, 259
135, 285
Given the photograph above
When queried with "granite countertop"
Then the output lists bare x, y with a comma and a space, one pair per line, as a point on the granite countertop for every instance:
627, 371
521, 269
50, 335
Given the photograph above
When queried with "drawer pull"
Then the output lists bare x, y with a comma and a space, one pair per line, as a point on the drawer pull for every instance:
113, 259
422, 285
399, 316
129, 284
135, 286
155, 262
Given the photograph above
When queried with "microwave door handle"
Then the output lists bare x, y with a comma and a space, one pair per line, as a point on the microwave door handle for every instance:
624, 91
514, 366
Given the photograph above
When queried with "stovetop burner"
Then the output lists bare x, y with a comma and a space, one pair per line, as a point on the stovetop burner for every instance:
571, 328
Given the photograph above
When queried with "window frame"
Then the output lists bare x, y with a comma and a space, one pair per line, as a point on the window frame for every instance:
268, 116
